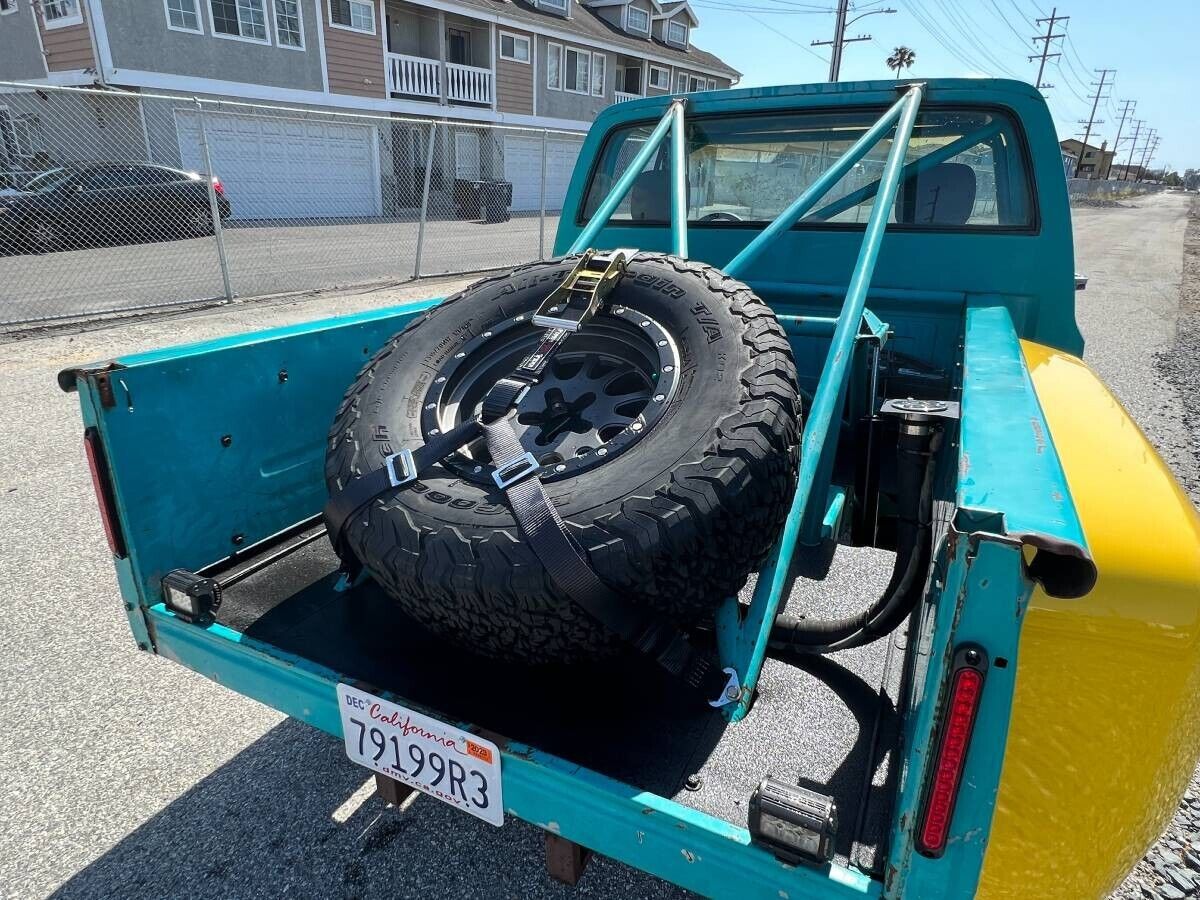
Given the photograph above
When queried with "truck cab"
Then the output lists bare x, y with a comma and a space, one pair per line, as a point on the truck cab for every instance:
1008, 737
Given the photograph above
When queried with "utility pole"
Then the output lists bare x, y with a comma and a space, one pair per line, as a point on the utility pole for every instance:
1096, 98
1133, 146
1046, 38
1145, 151
1151, 149
839, 36
1126, 109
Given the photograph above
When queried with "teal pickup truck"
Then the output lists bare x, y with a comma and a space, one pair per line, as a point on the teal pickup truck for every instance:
773, 538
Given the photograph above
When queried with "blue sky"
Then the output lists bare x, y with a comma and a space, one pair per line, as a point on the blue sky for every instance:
1154, 48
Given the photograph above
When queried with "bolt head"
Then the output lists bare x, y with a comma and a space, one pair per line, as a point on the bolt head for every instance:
636, 426
668, 368
560, 468
439, 379
603, 451
659, 398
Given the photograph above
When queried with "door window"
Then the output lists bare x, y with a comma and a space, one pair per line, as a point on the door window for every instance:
458, 46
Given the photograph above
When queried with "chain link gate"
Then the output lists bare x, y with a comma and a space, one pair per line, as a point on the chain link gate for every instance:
106, 204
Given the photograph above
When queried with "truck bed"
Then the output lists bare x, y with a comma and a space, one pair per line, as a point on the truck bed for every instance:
830, 725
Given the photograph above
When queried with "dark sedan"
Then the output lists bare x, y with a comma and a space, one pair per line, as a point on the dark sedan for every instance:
88, 204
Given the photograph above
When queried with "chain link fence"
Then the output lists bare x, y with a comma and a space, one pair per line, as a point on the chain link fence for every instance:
107, 204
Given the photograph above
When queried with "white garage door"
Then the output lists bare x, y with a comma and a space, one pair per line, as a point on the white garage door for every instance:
523, 167
280, 168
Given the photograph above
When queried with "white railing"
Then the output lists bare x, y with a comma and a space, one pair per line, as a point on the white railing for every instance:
468, 83
413, 75
622, 96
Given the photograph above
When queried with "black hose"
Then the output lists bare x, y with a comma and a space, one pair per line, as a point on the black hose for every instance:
916, 455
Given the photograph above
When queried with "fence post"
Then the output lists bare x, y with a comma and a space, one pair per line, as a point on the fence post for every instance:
213, 209
542, 203
425, 198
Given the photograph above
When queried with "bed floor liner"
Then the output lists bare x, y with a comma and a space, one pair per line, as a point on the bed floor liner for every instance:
830, 725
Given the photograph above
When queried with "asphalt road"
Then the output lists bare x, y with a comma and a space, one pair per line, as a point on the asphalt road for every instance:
124, 775
262, 260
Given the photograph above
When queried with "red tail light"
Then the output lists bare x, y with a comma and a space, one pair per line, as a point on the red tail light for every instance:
962, 703
102, 485
218, 187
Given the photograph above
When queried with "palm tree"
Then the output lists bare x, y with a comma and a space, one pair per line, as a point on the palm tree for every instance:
901, 58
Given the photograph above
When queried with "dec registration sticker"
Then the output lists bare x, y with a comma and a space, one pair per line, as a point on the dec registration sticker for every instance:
443, 761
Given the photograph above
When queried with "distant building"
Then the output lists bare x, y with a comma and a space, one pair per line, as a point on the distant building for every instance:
1126, 173
1094, 162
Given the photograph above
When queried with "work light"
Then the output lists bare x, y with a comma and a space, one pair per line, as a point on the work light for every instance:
190, 596
794, 823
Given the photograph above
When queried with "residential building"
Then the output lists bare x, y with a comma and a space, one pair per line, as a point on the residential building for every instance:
1126, 173
531, 63
1094, 162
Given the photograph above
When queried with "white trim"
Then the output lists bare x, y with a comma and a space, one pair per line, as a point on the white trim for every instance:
560, 9
625, 19
299, 22
528, 39
199, 29
671, 23
561, 56
374, 18
320, 29
661, 87
100, 36
63, 21
212, 25
319, 102
680, 7
593, 80
533, 71
558, 34
11, 9
680, 89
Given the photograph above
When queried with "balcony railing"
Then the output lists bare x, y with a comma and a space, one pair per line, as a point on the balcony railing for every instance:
413, 75
418, 76
622, 96
468, 84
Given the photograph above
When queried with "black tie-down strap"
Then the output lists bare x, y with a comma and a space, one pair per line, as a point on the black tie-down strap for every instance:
571, 573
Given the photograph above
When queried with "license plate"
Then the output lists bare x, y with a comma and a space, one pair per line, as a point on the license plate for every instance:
442, 761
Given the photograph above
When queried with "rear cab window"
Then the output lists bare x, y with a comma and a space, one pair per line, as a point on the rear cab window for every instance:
965, 169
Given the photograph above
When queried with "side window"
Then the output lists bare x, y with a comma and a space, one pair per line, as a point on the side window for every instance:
101, 179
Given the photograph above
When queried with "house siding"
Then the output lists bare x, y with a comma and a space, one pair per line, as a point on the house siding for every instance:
67, 49
355, 60
564, 104
20, 55
514, 80
139, 39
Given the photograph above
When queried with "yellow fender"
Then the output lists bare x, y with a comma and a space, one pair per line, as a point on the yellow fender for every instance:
1106, 717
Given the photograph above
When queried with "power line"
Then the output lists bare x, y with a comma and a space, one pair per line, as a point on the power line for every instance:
786, 37
1049, 36
958, 17
934, 32
999, 12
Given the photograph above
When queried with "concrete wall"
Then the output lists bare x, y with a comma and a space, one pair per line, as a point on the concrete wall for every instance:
514, 80
68, 48
139, 39
564, 104
355, 59
1097, 189
20, 55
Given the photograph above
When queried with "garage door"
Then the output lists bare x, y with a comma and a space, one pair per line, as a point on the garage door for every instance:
280, 168
523, 167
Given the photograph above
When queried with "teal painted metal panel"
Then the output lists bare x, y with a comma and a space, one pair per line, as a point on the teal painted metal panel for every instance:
1010, 477
653, 833
982, 600
183, 497
1037, 267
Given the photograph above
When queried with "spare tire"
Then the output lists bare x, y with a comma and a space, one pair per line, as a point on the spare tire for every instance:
667, 428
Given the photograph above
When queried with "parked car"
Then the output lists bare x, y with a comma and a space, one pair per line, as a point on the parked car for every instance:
96, 203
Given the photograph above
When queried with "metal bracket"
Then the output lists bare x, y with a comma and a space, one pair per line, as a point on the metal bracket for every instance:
565, 859
920, 410
408, 468
583, 289
732, 690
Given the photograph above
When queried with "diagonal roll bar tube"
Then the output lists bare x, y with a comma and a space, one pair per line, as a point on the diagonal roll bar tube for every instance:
816, 190
610, 203
751, 636
679, 201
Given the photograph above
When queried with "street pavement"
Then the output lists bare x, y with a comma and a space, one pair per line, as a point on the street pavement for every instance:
262, 259
122, 774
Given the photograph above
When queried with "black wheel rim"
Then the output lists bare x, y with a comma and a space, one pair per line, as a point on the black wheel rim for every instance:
605, 389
